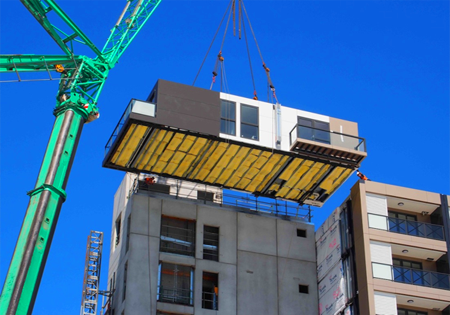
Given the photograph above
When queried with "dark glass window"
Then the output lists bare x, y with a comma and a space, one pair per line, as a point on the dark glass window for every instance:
124, 294
210, 243
315, 130
117, 230
402, 311
228, 117
249, 122
177, 236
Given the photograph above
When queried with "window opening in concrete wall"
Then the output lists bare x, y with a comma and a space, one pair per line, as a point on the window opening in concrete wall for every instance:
402, 311
301, 233
205, 195
177, 236
303, 288
117, 230
228, 117
249, 122
210, 291
125, 271
314, 130
175, 284
210, 243
128, 232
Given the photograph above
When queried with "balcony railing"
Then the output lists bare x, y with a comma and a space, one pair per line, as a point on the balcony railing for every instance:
135, 106
177, 296
411, 276
407, 227
327, 137
210, 301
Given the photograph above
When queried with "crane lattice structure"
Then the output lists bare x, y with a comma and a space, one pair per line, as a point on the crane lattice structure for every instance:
81, 81
92, 268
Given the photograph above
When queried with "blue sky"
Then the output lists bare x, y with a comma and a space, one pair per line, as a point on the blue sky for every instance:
383, 64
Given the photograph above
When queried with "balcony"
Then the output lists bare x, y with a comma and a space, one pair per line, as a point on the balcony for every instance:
411, 276
408, 227
335, 146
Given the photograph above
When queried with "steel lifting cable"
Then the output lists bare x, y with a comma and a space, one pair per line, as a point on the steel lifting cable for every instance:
255, 96
267, 70
219, 56
212, 42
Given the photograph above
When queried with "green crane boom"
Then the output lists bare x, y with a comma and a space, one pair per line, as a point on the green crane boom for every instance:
80, 85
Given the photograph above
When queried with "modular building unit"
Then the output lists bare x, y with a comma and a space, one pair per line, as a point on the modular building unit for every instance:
232, 142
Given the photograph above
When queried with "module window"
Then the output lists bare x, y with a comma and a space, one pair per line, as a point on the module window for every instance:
228, 117
249, 122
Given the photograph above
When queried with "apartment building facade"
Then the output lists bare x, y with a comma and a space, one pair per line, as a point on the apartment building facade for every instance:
184, 248
398, 251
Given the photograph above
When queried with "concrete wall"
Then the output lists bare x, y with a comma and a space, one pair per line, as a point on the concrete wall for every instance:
261, 263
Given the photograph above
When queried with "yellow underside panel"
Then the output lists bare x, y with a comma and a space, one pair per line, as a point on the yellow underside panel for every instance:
230, 165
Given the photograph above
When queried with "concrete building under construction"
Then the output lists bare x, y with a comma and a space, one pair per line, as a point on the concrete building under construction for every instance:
183, 242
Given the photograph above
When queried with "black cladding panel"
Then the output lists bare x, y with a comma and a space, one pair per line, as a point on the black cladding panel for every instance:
187, 107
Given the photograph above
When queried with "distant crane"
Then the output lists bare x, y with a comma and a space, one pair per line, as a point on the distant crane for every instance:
80, 85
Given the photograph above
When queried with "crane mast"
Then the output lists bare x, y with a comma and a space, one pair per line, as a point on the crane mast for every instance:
82, 80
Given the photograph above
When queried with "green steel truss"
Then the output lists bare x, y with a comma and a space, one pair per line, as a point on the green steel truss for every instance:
81, 80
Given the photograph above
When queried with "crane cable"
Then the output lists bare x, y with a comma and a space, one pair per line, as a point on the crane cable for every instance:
267, 70
255, 95
212, 42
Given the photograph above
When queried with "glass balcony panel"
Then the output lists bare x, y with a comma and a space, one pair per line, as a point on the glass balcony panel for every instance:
382, 271
377, 222
411, 276
413, 228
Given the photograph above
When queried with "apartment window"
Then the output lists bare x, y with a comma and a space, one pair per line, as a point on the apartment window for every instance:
210, 291
301, 233
314, 130
407, 263
125, 271
228, 117
402, 311
177, 236
303, 289
249, 122
210, 243
175, 284
205, 195
128, 232
117, 230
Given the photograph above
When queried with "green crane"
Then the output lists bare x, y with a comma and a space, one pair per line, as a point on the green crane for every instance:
81, 82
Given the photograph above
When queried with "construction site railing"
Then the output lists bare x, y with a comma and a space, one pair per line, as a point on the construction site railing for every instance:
134, 106
177, 296
408, 227
412, 276
260, 204
327, 137
210, 301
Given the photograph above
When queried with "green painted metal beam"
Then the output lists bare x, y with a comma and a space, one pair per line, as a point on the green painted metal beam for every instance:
80, 86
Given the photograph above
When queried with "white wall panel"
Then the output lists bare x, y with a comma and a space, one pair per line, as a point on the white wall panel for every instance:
376, 204
381, 253
385, 304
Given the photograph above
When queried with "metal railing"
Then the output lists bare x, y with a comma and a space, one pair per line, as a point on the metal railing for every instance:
411, 276
210, 301
177, 296
327, 137
247, 201
408, 227
122, 121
